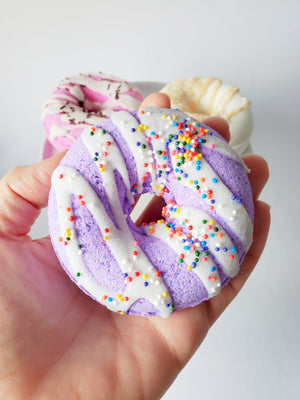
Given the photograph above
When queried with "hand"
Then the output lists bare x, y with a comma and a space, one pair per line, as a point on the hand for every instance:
56, 342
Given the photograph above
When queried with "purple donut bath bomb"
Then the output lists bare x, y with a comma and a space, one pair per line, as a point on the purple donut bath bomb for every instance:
182, 259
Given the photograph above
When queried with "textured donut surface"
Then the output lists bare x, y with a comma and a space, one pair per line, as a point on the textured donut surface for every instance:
176, 262
83, 100
204, 97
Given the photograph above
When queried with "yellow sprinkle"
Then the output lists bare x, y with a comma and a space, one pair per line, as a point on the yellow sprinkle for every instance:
159, 221
174, 116
188, 140
139, 129
167, 228
145, 276
190, 181
180, 136
119, 296
122, 313
211, 222
189, 267
68, 232
206, 130
177, 156
165, 294
145, 127
185, 155
102, 169
163, 116
105, 237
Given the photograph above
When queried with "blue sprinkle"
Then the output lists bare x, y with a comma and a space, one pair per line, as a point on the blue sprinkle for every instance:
198, 168
175, 136
217, 249
188, 146
233, 249
233, 197
183, 240
125, 275
193, 264
203, 242
239, 200
225, 249
212, 235
182, 150
164, 157
200, 140
132, 130
96, 154
186, 247
198, 125
178, 148
203, 196
196, 182
167, 305
176, 169
213, 269
210, 133
184, 120
138, 143
212, 201
152, 133
109, 299
146, 283
175, 123
198, 162
127, 312
185, 175
214, 180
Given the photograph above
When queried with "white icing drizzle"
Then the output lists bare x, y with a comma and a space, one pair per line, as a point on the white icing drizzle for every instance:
218, 242
210, 279
133, 134
67, 182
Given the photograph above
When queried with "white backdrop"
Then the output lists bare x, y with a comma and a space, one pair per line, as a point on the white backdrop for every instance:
253, 350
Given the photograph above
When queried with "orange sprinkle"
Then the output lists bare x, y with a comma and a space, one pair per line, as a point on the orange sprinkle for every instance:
68, 209
93, 129
220, 234
214, 279
142, 112
82, 203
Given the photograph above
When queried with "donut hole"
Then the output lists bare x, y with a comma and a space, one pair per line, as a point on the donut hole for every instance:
148, 208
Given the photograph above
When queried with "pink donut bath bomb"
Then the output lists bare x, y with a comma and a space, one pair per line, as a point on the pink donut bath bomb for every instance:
182, 259
84, 99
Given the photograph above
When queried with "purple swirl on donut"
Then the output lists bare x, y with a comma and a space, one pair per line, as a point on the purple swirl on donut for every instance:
176, 262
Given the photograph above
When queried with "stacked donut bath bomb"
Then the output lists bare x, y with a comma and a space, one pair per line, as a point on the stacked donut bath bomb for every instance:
84, 100
180, 260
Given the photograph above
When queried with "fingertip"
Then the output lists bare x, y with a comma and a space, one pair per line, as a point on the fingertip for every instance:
259, 172
160, 100
220, 125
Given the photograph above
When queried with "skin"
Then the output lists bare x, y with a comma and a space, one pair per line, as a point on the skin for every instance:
56, 342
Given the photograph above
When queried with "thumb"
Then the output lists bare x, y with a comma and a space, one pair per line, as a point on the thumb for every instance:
23, 192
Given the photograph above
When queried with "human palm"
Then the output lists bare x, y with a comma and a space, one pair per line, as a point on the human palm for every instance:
56, 342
